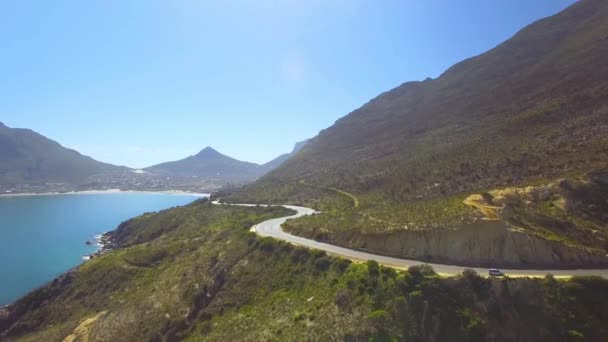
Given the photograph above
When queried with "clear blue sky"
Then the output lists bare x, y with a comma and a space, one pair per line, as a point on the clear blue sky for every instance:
141, 82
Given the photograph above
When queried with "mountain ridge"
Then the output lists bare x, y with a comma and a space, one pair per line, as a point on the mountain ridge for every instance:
212, 164
208, 163
500, 92
531, 112
27, 156
31, 162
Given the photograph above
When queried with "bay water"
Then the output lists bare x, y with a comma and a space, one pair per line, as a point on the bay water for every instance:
44, 236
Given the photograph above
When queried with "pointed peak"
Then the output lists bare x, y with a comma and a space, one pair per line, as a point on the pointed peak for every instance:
208, 151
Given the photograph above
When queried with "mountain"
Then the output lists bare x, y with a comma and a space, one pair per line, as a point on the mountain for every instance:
531, 112
208, 164
27, 157
532, 107
273, 164
212, 165
30, 162
488, 162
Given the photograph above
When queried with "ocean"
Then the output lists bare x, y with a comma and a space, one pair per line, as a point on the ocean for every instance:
44, 236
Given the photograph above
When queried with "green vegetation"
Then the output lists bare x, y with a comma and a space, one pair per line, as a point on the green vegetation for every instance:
572, 211
530, 111
437, 214
296, 193
206, 277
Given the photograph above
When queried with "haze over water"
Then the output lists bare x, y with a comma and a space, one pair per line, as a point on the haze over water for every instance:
44, 236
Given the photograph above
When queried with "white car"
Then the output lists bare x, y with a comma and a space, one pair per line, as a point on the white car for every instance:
494, 272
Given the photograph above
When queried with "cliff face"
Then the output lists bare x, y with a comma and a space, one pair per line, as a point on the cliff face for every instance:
562, 224
485, 243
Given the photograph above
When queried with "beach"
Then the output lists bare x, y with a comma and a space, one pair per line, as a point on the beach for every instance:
107, 192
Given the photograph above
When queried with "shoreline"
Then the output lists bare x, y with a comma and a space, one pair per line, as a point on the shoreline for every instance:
107, 192
103, 244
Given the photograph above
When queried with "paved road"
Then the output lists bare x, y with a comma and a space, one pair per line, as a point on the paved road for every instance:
273, 229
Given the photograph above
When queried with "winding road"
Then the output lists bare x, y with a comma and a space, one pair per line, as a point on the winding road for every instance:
272, 228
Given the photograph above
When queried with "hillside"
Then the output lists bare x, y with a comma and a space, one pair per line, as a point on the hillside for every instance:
196, 273
30, 158
32, 163
531, 108
211, 165
276, 162
530, 111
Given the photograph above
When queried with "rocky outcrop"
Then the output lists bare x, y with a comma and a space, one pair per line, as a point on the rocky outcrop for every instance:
484, 243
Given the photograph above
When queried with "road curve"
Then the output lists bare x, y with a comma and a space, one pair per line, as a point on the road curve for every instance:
272, 228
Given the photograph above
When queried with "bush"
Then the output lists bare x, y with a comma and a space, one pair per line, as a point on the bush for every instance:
574, 335
267, 244
373, 268
300, 316
317, 253
344, 299
322, 263
342, 264
478, 284
418, 273
286, 247
300, 254
379, 319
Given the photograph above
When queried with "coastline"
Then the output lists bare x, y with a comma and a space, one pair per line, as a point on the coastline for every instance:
104, 244
107, 192
104, 241
100, 241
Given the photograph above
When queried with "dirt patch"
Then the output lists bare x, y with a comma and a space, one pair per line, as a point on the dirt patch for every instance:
83, 330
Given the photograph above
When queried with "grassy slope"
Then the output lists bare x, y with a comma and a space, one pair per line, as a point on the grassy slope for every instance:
196, 273
532, 110
571, 211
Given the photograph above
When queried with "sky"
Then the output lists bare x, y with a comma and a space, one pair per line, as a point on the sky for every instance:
144, 81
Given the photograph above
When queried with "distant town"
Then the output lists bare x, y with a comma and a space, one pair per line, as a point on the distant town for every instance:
126, 180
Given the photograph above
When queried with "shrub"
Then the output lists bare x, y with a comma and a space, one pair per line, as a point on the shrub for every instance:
342, 264
286, 247
379, 319
267, 244
574, 335
300, 316
300, 254
373, 268
478, 284
317, 253
344, 299
322, 263
418, 273
487, 197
